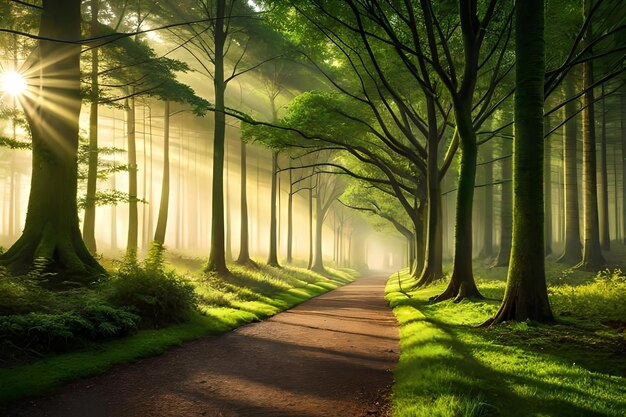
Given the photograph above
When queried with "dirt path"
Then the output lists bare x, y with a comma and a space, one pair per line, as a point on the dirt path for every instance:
331, 356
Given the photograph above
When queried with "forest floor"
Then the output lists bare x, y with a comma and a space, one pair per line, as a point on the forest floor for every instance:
574, 367
330, 356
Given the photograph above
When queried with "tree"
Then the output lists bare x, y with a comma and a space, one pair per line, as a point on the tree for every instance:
159, 234
51, 231
592, 252
328, 188
89, 222
526, 295
572, 253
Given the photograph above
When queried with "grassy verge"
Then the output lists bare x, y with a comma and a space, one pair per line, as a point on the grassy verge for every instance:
246, 296
448, 367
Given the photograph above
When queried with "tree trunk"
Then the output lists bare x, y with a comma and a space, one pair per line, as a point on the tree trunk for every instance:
244, 238
547, 188
433, 250
605, 237
51, 230
290, 221
272, 259
318, 261
133, 219
526, 295
462, 282
487, 250
217, 257
572, 253
159, 234
310, 264
592, 252
228, 224
89, 222
506, 206
623, 126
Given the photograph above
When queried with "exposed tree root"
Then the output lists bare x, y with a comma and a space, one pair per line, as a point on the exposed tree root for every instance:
513, 309
64, 258
459, 290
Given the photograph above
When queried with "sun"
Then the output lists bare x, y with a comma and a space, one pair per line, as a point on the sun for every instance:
13, 83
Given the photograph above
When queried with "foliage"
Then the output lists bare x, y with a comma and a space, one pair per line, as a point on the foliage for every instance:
601, 299
160, 296
44, 332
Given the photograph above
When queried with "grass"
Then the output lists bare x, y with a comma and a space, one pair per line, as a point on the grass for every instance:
247, 295
449, 367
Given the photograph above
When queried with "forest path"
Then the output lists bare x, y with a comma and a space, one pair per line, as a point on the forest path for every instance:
331, 356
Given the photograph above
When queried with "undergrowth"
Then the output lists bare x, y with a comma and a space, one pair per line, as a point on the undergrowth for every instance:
48, 337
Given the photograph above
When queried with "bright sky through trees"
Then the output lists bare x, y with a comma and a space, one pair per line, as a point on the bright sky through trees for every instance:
13, 84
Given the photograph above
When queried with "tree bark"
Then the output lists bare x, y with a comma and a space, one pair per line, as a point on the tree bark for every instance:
572, 253
89, 222
526, 295
217, 256
161, 228
51, 231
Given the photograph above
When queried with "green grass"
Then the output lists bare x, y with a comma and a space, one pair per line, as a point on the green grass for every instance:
448, 367
246, 296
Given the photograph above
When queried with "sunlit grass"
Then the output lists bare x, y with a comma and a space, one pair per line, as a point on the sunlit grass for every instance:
247, 295
448, 367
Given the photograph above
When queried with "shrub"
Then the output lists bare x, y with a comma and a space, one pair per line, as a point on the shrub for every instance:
601, 299
158, 295
40, 333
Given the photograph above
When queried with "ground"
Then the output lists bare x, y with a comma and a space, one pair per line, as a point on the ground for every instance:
330, 356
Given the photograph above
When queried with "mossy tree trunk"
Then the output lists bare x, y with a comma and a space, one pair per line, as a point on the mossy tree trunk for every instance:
526, 295
217, 256
51, 230
572, 253
161, 228
89, 221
